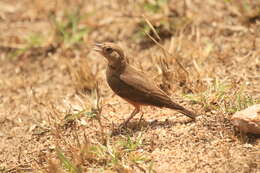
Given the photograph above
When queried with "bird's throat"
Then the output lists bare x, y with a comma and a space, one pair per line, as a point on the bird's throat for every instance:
117, 65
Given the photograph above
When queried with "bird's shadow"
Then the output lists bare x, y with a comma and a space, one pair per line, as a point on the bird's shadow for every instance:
136, 126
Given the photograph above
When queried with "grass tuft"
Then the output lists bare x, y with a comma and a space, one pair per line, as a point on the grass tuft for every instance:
222, 96
66, 163
68, 30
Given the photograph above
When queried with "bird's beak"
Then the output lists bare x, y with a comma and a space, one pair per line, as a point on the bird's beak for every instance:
98, 47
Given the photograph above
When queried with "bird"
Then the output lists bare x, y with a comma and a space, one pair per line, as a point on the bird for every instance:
133, 85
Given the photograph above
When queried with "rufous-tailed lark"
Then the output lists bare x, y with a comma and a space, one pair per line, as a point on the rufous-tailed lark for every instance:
132, 85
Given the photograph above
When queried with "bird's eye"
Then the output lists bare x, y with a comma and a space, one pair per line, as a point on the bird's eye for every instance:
108, 49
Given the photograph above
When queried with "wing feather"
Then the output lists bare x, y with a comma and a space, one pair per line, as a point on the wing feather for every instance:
141, 88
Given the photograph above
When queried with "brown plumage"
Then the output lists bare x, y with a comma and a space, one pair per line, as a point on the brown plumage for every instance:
132, 85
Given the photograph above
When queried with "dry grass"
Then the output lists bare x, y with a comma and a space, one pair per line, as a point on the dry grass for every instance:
57, 113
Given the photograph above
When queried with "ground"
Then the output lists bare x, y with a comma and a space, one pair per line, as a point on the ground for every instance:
57, 113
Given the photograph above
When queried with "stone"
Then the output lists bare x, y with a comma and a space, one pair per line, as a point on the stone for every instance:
248, 120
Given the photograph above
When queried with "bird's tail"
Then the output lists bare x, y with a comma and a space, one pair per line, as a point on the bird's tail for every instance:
182, 110
188, 113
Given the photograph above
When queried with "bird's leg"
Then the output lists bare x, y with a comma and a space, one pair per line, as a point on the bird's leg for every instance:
135, 111
141, 117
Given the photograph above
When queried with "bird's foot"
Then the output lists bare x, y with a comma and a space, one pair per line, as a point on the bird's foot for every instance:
122, 128
123, 125
140, 120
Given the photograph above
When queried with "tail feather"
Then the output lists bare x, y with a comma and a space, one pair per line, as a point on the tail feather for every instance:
188, 113
182, 110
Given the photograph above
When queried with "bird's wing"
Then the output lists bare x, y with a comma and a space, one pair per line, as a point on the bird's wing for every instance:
141, 88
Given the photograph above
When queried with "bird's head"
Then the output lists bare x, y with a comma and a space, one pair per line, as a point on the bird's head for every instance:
113, 53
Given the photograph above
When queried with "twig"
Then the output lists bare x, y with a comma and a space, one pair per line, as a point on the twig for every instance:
165, 52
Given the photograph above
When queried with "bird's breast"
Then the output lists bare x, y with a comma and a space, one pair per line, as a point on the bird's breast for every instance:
114, 82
